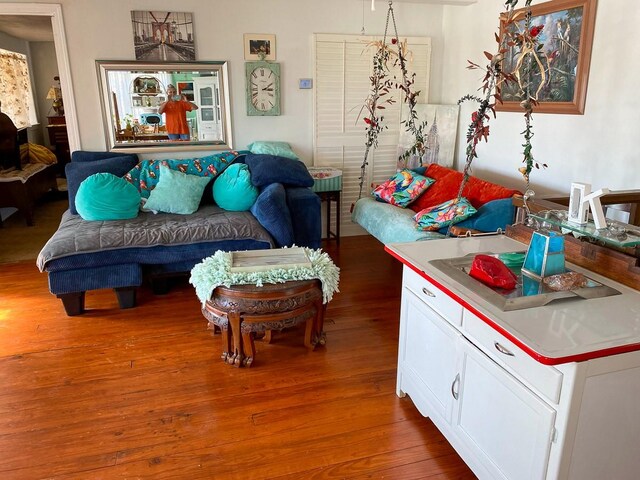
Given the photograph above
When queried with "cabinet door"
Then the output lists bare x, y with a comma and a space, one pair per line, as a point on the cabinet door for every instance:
427, 357
207, 97
506, 428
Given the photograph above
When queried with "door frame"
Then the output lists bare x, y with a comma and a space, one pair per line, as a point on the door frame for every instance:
54, 11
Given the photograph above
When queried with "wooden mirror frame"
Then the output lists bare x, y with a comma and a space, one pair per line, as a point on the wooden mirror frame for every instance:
118, 141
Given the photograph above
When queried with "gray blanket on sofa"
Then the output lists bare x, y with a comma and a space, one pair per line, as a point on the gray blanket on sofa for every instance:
209, 224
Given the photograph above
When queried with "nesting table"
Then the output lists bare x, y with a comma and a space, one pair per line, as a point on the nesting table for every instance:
242, 311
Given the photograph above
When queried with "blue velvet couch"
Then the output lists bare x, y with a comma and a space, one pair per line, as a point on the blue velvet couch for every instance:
283, 215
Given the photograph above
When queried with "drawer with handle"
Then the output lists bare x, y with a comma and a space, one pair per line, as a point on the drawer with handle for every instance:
543, 378
439, 301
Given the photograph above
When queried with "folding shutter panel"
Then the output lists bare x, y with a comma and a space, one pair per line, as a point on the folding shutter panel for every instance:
343, 66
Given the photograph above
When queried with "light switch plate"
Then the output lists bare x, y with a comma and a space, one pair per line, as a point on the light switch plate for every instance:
306, 83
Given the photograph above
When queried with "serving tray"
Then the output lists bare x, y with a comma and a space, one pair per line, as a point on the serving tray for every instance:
529, 292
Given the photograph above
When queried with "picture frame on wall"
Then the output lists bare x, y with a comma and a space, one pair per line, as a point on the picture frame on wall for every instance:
566, 38
259, 46
163, 36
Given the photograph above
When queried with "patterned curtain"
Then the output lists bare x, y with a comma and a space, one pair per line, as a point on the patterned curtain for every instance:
15, 89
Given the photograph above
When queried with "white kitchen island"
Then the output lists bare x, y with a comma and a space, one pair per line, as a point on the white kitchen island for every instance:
548, 392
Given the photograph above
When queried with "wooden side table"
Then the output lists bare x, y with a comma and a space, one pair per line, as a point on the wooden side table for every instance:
329, 197
241, 311
59, 140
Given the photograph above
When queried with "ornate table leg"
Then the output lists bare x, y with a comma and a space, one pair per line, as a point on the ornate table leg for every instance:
248, 342
237, 357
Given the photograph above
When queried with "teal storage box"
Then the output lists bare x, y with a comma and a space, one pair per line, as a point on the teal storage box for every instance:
326, 179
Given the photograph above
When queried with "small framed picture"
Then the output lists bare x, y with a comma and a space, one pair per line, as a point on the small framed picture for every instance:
259, 46
578, 208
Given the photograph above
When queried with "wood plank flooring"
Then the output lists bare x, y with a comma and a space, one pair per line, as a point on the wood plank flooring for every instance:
142, 393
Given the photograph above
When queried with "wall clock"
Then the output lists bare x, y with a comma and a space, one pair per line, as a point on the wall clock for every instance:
263, 88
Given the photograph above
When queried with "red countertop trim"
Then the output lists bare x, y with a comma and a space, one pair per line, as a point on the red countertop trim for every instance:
581, 357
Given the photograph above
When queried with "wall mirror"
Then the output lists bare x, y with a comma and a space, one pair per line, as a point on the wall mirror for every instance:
131, 94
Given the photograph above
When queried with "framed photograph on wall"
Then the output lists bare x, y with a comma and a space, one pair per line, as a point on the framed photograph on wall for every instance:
566, 38
259, 46
163, 36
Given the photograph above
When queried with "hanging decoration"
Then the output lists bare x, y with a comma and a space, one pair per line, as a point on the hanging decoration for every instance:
380, 96
530, 73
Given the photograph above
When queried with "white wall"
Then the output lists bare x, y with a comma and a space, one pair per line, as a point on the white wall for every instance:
101, 30
599, 147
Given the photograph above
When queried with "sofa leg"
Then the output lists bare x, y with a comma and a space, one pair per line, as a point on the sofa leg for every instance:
73, 303
126, 297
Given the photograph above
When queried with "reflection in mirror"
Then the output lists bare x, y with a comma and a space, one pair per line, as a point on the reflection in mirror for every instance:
135, 105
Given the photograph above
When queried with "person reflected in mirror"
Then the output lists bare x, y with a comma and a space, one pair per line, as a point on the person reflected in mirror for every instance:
175, 110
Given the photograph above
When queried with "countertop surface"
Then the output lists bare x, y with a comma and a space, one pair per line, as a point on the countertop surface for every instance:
563, 331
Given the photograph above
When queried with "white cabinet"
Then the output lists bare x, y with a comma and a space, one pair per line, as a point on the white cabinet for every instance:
507, 415
207, 97
505, 424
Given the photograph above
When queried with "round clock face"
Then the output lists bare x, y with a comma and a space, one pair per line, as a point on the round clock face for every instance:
263, 89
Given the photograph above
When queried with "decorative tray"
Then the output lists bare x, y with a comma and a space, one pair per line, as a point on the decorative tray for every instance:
529, 292
261, 260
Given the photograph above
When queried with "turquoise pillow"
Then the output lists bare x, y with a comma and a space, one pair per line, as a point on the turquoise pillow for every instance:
279, 149
176, 192
233, 189
104, 196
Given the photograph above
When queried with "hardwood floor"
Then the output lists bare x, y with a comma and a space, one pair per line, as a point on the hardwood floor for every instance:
142, 393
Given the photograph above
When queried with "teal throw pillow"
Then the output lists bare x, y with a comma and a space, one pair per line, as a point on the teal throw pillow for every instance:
104, 196
443, 215
403, 188
279, 149
233, 189
176, 192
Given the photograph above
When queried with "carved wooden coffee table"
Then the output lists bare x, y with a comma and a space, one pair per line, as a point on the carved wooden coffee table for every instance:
241, 311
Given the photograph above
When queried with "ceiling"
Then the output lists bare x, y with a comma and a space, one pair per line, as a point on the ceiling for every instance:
33, 28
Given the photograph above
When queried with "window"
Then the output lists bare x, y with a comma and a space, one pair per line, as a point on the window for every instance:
15, 89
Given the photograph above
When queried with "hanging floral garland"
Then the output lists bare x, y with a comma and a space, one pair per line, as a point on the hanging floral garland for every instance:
380, 96
531, 67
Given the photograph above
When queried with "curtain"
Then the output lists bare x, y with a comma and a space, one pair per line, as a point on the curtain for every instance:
15, 89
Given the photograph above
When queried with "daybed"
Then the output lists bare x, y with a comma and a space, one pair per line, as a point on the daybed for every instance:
392, 224
86, 255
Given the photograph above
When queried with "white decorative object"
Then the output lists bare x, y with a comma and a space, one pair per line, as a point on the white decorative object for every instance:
578, 208
596, 207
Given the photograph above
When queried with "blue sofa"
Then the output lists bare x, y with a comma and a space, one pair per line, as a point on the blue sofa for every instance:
121, 254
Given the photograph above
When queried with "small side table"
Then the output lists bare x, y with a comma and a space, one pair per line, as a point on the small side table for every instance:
328, 185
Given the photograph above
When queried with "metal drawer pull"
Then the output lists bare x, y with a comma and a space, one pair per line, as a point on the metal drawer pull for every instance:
427, 292
454, 392
503, 350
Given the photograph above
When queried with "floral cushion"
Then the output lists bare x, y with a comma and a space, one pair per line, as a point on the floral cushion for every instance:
443, 215
146, 174
402, 189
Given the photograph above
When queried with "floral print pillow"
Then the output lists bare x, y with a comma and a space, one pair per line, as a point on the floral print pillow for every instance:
402, 189
443, 215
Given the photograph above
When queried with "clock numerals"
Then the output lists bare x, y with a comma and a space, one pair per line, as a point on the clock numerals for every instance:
263, 91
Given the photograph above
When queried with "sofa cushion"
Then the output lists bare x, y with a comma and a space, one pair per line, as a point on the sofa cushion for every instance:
446, 186
491, 216
233, 190
443, 215
146, 174
104, 196
279, 149
176, 192
402, 189
86, 156
271, 210
268, 169
76, 172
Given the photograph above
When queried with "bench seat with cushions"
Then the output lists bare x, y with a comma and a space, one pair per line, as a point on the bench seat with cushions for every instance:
87, 255
392, 224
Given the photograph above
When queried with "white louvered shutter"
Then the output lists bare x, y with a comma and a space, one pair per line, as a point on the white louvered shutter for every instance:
343, 65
